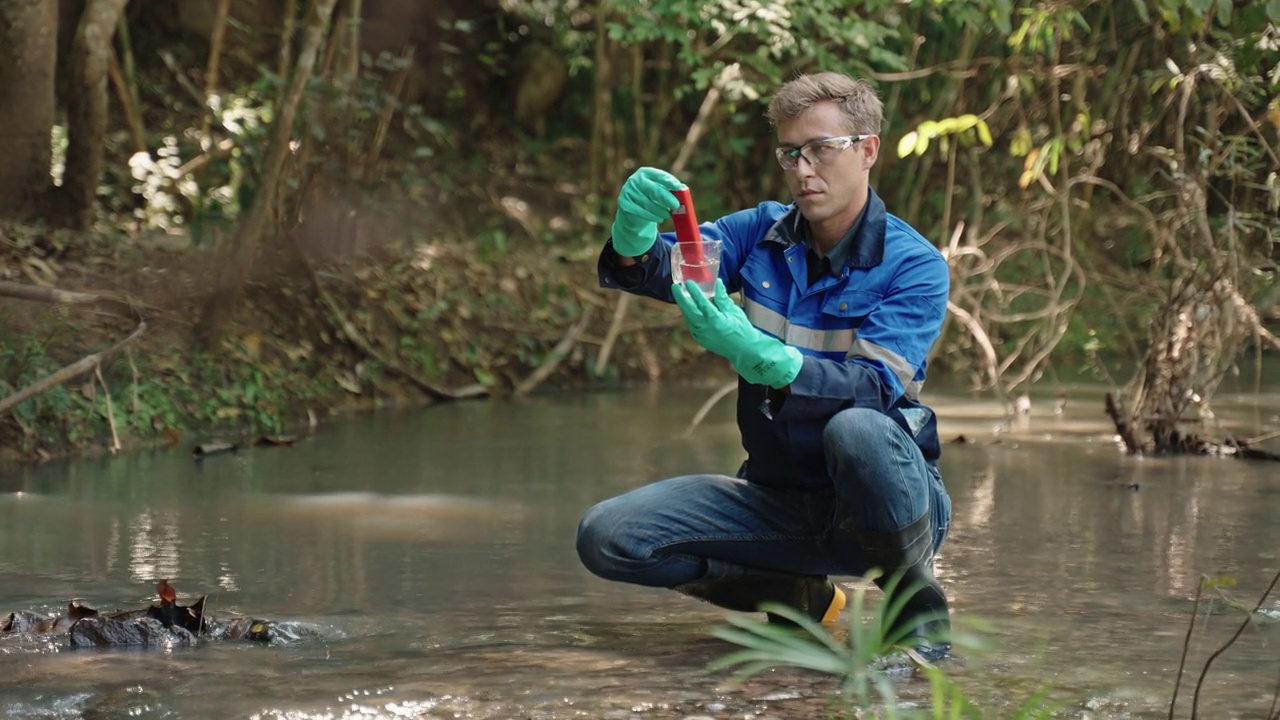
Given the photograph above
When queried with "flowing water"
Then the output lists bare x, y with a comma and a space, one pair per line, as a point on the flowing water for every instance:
433, 551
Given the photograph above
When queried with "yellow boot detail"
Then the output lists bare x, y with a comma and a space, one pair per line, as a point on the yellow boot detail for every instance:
837, 604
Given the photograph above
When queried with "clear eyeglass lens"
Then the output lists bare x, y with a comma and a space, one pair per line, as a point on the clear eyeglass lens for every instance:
817, 152
826, 150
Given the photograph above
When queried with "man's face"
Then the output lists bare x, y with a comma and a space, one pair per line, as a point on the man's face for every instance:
826, 193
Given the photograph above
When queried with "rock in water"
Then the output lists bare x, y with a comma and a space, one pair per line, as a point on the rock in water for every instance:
135, 631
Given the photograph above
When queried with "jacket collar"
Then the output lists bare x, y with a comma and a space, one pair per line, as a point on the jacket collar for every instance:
868, 245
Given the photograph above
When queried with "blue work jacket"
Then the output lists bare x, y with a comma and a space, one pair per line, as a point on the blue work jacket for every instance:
864, 331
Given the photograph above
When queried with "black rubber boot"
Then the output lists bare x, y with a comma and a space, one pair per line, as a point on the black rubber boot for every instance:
905, 559
741, 588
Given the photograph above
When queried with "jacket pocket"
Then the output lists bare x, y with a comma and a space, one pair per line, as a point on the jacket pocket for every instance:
761, 283
851, 306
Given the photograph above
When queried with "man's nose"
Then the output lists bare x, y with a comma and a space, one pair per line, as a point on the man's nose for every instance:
805, 167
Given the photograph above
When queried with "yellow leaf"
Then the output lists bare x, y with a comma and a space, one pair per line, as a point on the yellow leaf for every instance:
922, 144
1024, 181
1032, 156
984, 133
907, 144
967, 121
226, 413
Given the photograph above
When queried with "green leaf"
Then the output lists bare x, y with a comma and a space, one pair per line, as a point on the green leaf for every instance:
1141, 7
1273, 11
1224, 12
1021, 143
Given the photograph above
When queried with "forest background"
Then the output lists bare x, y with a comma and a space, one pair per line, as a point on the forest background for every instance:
234, 217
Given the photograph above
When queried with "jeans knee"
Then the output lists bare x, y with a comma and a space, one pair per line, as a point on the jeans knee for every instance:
591, 539
854, 431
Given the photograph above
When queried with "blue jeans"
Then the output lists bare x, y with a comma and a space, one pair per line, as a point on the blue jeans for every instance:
662, 534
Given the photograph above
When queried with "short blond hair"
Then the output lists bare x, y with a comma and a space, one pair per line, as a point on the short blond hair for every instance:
857, 100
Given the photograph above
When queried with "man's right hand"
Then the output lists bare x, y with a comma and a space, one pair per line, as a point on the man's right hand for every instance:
645, 201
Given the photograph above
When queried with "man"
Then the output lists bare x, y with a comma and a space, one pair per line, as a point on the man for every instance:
841, 302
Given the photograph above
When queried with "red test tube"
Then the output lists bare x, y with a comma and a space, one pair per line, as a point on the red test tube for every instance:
688, 235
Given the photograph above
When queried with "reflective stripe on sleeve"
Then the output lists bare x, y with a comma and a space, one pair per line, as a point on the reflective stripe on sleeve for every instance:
841, 341
899, 365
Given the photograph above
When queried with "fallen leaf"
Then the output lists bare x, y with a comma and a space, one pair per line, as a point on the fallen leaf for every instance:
166, 592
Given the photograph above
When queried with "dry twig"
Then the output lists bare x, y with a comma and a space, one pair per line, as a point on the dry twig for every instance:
111, 414
557, 355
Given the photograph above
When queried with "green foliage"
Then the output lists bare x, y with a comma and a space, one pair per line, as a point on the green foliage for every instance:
173, 197
767, 38
45, 419
767, 645
341, 121
153, 399
203, 393
865, 663
1045, 28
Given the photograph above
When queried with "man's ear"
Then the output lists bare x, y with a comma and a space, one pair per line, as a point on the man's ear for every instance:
871, 150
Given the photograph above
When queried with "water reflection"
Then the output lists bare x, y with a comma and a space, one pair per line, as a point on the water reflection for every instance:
434, 549
153, 549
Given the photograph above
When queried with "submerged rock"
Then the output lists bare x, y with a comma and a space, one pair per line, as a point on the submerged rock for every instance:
165, 625
127, 632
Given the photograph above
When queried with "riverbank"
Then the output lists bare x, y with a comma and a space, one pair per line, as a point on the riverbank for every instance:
400, 324
405, 322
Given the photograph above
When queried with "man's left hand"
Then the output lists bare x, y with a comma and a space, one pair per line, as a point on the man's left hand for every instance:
720, 326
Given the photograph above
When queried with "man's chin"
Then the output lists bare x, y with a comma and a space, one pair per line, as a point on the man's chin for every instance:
811, 206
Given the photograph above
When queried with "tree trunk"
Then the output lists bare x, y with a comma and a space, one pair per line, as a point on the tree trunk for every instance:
28, 59
254, 224
87, 106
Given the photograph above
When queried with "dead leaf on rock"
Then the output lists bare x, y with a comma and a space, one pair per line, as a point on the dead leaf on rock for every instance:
166, 592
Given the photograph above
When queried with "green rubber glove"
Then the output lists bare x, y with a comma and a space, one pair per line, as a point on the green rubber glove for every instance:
644, 201
720, 326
